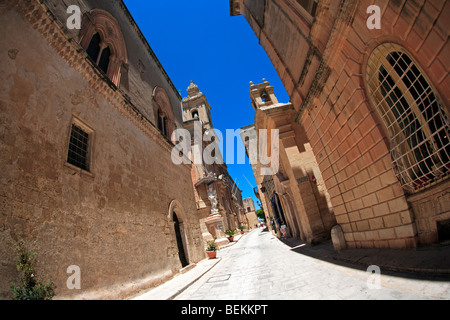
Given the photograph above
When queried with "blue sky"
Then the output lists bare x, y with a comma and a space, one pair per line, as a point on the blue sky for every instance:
199, 40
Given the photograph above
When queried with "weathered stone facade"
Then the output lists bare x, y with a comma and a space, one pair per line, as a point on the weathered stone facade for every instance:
295, 196
250, 212
116, 218
218, 198
324, 52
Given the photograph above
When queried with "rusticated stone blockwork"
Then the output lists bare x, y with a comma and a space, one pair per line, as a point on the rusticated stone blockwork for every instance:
323, 58
116, 218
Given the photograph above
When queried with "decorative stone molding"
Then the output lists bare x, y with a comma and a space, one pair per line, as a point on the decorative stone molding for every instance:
53, 31
147, 46
103, 23
177, 207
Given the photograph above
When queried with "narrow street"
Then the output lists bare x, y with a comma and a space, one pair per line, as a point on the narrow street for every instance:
260, 266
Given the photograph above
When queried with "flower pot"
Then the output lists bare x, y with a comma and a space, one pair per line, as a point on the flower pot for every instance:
212, 254
231, 239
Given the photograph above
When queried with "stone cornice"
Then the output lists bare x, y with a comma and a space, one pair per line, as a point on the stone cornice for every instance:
147, 45
279, 108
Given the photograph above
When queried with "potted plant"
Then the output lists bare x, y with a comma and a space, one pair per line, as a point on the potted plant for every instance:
242, 228
230, 234
211, 249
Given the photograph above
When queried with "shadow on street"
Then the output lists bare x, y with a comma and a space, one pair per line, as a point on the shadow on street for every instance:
424, 263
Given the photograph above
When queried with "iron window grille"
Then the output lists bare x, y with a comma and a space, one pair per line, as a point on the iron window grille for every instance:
78, 154
415, 119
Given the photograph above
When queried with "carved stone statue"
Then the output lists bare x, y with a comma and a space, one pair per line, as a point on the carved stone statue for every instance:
212, 196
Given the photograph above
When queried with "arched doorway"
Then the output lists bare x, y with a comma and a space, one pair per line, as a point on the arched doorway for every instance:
178, 234
294, 226
176, 218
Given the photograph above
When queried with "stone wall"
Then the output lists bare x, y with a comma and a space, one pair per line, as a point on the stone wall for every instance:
113, 221
251, 215
323, 65
368, 199
430, 207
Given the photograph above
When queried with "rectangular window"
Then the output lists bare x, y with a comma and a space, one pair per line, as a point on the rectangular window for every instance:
309, 5
78, 154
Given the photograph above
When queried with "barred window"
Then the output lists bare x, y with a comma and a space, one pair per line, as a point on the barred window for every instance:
415, 119
79, 146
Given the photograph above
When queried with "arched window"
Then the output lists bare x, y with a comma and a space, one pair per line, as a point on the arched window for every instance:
195, 114
162, 123
100, 56
103, 63
103, 41
94, 47
415, 119
163, 112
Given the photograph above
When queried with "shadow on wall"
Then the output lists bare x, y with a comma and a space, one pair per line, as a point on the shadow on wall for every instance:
325, 209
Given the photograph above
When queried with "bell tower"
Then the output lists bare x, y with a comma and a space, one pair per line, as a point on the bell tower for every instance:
262, 95
196, 107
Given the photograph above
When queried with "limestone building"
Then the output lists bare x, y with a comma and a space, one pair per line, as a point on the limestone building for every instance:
250, 212
218, 198
295, 196
369, 89
85, 137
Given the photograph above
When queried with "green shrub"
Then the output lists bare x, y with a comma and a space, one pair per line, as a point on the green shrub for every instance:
211, 246
230, 233
30, 286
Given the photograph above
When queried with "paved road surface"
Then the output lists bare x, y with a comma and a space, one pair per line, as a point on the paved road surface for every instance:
260, 266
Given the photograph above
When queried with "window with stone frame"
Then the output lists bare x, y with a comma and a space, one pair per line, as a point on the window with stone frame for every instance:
104, 43
93, 49
99, 54
164, 116
104, 60
310, 6
162, 123
414, 116
79, 148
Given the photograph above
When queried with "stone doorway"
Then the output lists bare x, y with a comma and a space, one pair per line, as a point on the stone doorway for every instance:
180, 243
443, 228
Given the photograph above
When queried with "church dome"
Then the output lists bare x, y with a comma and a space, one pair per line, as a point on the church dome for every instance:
193, 89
